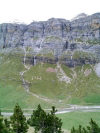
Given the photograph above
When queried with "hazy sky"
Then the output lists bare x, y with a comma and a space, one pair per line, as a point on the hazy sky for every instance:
28, 10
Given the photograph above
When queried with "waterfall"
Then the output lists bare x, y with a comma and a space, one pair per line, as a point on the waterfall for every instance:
97, 69
34, 60
71, 57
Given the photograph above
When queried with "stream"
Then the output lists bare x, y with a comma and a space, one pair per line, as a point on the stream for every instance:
26, 83
97, 69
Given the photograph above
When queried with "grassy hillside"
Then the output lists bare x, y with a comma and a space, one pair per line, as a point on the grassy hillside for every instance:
11, 88
44, 83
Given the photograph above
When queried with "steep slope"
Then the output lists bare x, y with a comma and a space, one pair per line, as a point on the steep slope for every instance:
52, 32
56, 62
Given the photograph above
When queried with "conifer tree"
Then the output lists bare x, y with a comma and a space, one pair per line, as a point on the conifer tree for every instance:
45, 123
18, 121
38, 119
92, 128
53, 123
0, 112
3, 128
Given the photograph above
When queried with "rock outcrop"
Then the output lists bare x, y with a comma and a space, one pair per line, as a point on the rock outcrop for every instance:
56, 34
51, 31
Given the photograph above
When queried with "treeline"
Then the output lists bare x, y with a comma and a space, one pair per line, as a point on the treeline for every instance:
41, 121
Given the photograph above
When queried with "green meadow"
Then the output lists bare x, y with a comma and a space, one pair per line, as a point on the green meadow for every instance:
84, 88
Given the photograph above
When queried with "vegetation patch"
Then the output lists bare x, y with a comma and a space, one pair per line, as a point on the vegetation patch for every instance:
52, 38
78, 118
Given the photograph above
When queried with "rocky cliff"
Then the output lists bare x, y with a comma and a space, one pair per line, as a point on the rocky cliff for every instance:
51, 31
59, 35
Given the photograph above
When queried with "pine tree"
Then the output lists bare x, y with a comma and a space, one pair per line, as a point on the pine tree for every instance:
73, 130
45, 123
7, 124
18, 121
53, 123
0, 113
3, 128
93, 128
37, 119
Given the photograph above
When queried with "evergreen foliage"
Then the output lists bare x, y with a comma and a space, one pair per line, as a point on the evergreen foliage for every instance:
45, 123
41, 121
92, 128
3, 128
18, 121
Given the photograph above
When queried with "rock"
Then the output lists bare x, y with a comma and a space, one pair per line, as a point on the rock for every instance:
81, 29
82, 15
55, 34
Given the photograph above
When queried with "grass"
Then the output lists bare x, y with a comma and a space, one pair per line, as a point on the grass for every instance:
84, 55
75, 119
78, 55
11, 88
82, 89
67, 70
47, 55
48, 84
93, 42
78, 118
66, 54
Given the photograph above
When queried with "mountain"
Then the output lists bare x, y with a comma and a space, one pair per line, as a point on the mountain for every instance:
82, 15
85, 28
53, 62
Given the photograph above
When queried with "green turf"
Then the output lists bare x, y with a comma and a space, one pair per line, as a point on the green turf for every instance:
11, 88
45, 83
78, 118
82, 89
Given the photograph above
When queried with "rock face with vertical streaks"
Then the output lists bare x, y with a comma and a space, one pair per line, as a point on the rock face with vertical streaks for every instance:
54, 31
58, 35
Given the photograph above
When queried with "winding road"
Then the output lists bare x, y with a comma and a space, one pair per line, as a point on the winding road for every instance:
72, 108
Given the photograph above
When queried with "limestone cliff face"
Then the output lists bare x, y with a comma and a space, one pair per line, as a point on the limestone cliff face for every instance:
66, 61
58, 35
51, 31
